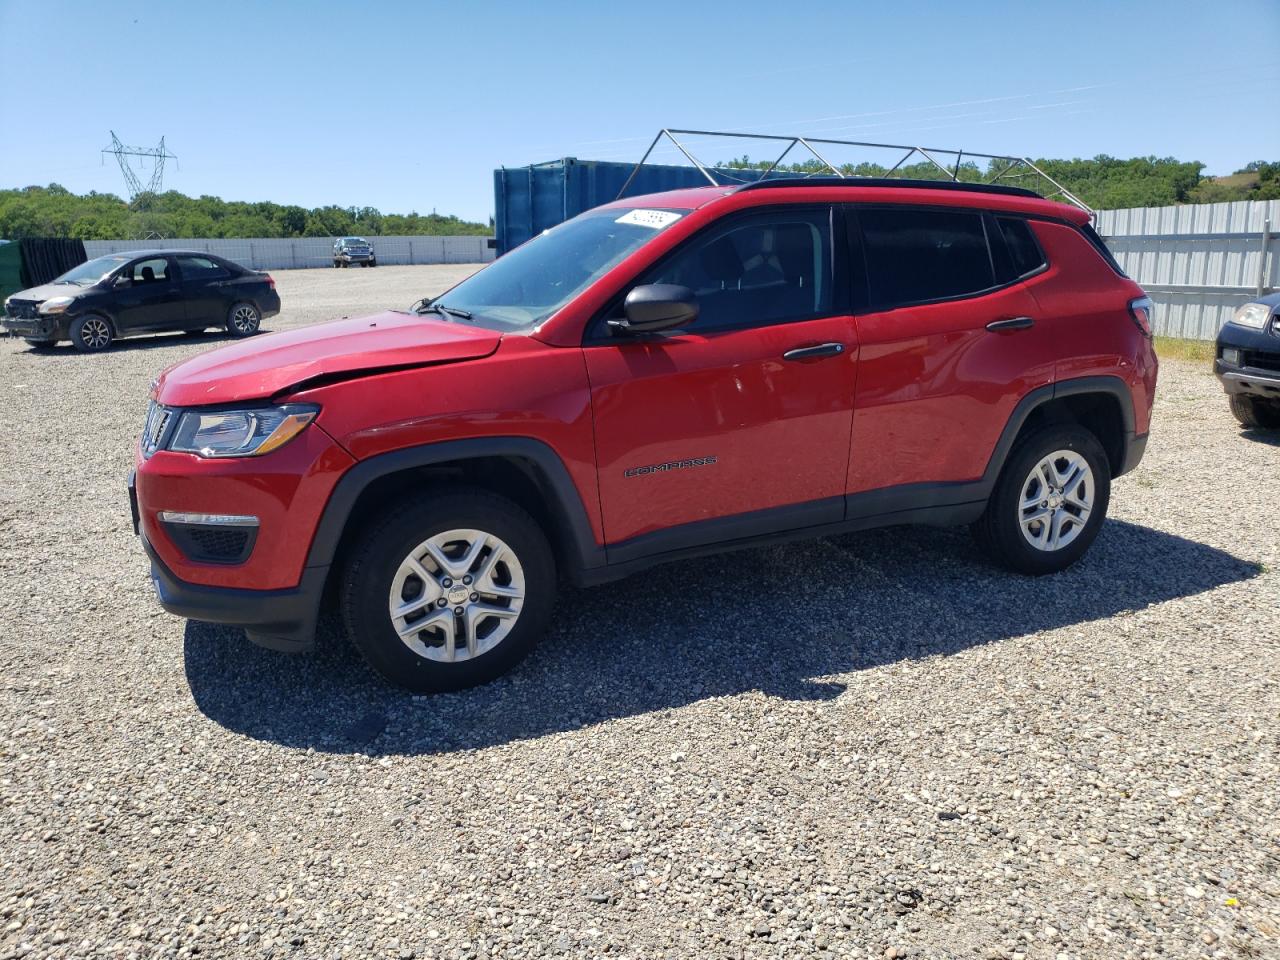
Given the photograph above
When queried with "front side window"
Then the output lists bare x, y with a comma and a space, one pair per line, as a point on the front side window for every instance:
150, 271
537, 278
914, 256
762, 269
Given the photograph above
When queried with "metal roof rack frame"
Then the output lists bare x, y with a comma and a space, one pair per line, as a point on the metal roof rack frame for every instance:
1014, 167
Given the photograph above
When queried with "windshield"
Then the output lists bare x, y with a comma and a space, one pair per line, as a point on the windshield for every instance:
355, 242
539, 277
92, 271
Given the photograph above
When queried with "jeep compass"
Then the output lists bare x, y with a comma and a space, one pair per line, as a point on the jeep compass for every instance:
660, 377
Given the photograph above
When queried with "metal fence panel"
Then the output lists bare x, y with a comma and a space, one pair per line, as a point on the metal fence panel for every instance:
1198, 262
296, 253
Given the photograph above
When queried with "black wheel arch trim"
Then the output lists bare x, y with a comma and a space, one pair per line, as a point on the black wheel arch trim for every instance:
566, 502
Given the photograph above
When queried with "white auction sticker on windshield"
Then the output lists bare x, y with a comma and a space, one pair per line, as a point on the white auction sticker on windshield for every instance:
655, 219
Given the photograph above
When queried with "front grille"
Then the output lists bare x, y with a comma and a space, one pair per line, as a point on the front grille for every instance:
158, 417
1260, 360
218, 543
212, 543
23, 309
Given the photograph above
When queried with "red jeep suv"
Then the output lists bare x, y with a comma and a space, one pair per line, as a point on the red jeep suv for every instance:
660, 377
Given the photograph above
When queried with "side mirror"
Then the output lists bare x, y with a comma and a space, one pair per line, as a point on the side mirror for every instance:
121, 281
657, 306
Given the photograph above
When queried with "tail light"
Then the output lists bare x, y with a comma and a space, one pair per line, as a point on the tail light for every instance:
271, 281
1140, 310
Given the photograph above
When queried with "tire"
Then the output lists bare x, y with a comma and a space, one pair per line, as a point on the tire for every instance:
373, 263
91, 333
1014, 535
243, 319
1255, 413
41, 344
336, 264
380, 567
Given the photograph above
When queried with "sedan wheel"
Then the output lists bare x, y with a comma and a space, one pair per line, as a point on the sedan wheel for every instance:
243, 320
91, 333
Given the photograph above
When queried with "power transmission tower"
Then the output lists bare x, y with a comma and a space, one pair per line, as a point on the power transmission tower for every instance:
131, 181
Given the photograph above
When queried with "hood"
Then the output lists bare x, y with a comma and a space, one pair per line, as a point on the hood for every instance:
48, 291
261, 367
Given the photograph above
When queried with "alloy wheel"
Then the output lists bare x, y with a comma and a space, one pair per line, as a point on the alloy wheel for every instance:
457, 595
244, 318
95, 333
1057, 499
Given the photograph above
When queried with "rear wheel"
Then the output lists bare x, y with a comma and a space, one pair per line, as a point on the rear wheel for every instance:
243, 320
91, 333
1049, 502
1254, 412
449, 592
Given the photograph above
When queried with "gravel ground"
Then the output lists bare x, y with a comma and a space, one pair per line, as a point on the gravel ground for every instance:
909, 754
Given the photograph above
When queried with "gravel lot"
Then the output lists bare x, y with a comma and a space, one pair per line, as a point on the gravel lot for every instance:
912, 754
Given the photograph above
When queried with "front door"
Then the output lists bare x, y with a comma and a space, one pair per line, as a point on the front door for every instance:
151, 299
739, 424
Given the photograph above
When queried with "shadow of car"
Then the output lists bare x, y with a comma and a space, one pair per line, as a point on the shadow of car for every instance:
690, 631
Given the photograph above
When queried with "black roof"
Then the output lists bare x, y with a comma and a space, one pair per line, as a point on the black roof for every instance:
853, 182
134, 254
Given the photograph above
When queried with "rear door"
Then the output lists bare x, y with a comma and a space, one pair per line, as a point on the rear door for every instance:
951, 340
151, 299
744, 417
204, 289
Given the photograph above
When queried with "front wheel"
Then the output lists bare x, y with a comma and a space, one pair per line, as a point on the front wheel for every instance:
243, 320
91, 333
1049, 502
1253, 412
449, 592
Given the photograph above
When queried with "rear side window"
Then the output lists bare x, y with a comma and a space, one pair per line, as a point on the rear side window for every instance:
1024, 253
199, 268
915, 256
766, 268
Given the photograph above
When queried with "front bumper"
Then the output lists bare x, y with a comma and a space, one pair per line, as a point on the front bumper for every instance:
1249, 381
1254, 369
278, 619
35, 328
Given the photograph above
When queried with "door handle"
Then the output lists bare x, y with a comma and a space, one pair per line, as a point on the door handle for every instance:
1011, 323
815, 352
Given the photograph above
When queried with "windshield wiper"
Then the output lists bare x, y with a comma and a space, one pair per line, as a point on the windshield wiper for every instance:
444, 311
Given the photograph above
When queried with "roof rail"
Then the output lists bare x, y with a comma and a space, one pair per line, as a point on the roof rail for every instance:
856, 181
1014, 167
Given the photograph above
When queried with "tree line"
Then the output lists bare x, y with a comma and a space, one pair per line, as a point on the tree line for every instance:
1104, 183
54, 211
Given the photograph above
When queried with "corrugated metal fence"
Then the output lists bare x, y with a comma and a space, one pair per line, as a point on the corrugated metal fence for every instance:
1198, 262
270, 253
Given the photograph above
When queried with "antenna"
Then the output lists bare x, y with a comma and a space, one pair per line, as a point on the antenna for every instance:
131, 181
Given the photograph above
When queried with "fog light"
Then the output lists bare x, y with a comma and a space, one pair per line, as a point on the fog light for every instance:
1231, 355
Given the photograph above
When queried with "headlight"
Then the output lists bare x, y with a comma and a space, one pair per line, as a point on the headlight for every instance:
1252, 315
240, 433
55, 305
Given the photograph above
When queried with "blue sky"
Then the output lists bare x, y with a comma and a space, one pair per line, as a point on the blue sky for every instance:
406, 106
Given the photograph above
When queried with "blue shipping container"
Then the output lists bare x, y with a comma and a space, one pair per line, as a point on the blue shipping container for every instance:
528, 200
